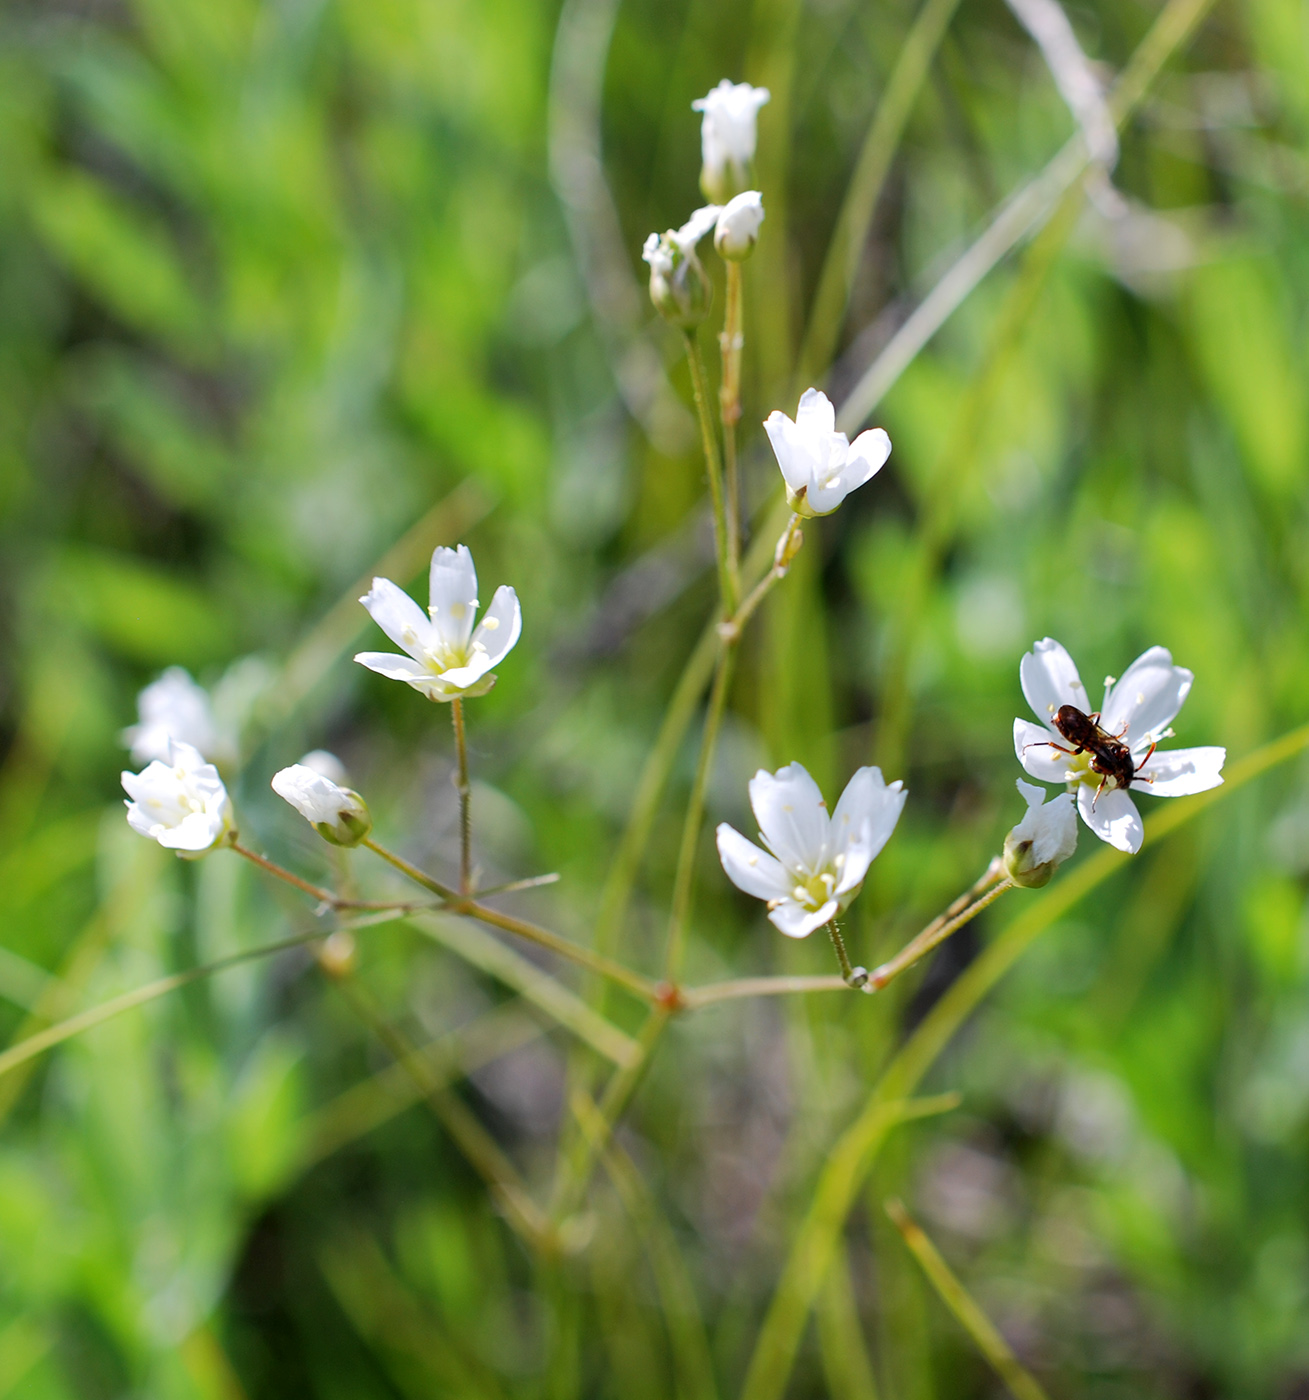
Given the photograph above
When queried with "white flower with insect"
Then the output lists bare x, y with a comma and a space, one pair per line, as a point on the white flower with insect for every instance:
179, 801
1043, 840
1102, 754
813, 864
174, 707
737, 229
338, 814
679, 289
821, 466
446, 657
728, 136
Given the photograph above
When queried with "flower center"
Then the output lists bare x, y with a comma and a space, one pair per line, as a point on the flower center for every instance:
1079, 770
814, 891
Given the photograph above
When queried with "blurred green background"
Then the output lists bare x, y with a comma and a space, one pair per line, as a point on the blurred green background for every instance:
284, 283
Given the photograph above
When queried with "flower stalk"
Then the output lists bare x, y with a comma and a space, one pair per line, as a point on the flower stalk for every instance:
932, 936
731, 342
714, 469
465, 792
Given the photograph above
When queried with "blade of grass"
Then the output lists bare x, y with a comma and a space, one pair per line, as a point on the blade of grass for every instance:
841, 1342
1020, 1381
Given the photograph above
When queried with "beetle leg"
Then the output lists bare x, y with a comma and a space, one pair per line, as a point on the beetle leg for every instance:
1050, 744
1099, 790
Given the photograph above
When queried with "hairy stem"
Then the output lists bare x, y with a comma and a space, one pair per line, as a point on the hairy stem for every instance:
465, 798
319, 893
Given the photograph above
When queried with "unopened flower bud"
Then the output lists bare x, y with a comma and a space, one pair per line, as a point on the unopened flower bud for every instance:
337, 814
1043, 840
788, 546
737, 230
338, 953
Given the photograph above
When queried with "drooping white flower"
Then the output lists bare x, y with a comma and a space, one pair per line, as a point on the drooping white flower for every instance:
1137, 710
179, 801
821, 466
173, 707
728, 135
737, 229
679, 289
814, 865
1043, 840
445, 657
338, 814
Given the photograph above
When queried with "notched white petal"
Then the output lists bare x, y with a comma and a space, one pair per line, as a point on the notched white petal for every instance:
1112, 817
1181, 772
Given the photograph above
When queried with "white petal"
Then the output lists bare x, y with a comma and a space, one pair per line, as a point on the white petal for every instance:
695, 228
826, 492
396, 613
867, 813
792, 817
500, 629
749, 868
1051, 826
1112, 816
197, 832
1032, 744
315, 797
867, 456
453, 595
789, 450
1030, 793
396, 668
1147, 697
796, 921
1049, 680
815, 415
1179, 772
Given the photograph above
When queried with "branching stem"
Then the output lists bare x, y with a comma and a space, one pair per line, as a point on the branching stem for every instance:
465, 798
935, 933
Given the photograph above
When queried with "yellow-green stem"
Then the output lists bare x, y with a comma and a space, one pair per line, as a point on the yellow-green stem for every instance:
935, 933
732, 342
684, 880
714, 469
465, 798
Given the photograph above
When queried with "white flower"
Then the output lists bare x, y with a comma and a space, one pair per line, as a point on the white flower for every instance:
338, 814
679, 288
1137, 711
174, 707
446, 657
814, 865
737, 229
1043, 840
180, 802
728, 136
820, 465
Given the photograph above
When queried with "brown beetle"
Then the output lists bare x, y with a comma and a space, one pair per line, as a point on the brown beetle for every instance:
1110, 757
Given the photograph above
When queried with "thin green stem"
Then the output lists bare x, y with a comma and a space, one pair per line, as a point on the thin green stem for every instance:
714, 470
851, 976
731, 343
684, 880
788, 546
465, 798
477, 1145
1019, 1380
639, 986
694, 998
934, 934
318, 892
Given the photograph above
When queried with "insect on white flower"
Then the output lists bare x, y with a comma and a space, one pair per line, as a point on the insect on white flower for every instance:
338, 814
180, 802
813, 865
728, 136
446, 658
821, 466
1135, 715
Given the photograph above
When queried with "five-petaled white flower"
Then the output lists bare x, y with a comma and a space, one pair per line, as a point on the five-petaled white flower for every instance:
1136, 712
1043, 840
814, 864
180, 802
737, 229
820, 465
338, 814
728, 136
446, 657
175, 707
